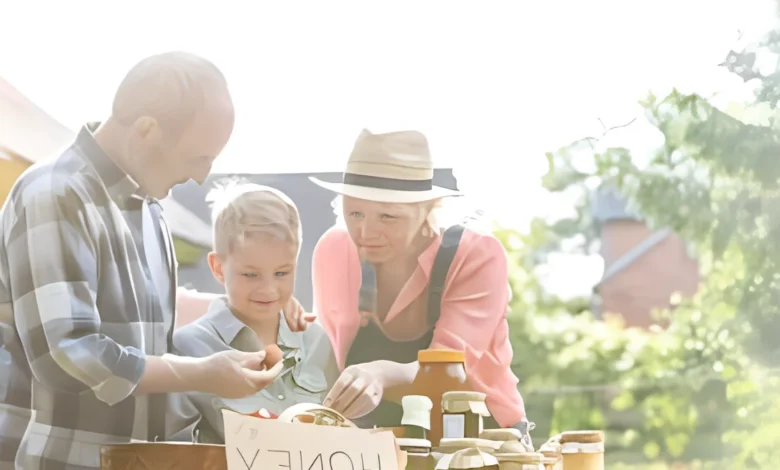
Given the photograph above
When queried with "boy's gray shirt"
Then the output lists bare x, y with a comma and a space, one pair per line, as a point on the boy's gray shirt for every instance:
309, 381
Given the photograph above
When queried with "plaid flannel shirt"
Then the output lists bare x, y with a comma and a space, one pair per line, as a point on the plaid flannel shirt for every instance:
82, 308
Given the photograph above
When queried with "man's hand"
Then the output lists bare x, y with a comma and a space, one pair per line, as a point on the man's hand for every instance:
236, 374
297, 319
357, 391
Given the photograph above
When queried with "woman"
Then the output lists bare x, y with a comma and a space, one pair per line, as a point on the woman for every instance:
371, 280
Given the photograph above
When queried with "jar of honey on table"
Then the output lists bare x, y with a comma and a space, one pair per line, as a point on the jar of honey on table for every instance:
441, 371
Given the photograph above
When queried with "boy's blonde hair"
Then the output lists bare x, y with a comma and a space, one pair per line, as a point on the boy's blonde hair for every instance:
240, 210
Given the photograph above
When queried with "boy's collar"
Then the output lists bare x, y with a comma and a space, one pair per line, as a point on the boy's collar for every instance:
228, 327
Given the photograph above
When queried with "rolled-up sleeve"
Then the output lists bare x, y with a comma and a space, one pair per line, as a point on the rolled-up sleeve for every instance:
54, 263
334, 286
473, 319
476, 299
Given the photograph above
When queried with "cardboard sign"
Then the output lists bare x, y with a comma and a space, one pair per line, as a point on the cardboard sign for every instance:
266, 444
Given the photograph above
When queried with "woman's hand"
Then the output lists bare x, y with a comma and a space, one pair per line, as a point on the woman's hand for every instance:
358, 390
297, 318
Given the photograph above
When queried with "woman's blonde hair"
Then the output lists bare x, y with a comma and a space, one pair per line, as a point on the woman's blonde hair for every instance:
243, 209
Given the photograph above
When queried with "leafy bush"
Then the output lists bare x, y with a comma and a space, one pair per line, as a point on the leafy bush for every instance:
705, 387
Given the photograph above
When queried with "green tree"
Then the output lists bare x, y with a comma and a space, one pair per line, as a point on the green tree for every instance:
706, 386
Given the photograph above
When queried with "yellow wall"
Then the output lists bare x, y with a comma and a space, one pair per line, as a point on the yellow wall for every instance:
9, 172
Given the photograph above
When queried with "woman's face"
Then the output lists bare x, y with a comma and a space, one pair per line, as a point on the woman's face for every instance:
383, 231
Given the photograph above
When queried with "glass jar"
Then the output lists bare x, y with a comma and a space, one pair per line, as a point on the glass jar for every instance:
463, 414
418, 453
520, 461
582, 450
441, 370
417, 416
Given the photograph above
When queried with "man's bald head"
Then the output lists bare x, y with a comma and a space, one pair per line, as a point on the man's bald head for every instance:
172, 88
172, 117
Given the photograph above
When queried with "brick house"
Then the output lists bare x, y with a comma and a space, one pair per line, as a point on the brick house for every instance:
643, 266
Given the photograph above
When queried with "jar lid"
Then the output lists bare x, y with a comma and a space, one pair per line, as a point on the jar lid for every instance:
521, 457
455, 443
584, 437
467, 459
463, 396
461, 402
440, 355
417, 411
507, 434
511, 447
412, 442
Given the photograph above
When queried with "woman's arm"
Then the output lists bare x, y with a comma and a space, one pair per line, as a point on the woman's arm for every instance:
473, 319
335, 285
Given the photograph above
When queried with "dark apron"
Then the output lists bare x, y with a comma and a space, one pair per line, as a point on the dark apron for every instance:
371, 344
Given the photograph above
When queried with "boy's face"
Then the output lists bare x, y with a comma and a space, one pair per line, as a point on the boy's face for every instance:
258, 275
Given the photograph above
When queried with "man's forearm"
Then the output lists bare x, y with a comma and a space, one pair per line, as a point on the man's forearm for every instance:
170, 374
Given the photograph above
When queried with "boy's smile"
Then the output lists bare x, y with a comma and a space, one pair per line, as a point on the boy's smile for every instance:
258, 275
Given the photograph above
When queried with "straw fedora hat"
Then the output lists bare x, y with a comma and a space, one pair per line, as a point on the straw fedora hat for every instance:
394, 167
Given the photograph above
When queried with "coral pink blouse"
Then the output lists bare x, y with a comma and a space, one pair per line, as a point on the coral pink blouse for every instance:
473, 313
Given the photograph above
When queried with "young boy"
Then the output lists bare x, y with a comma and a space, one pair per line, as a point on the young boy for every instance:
257, 237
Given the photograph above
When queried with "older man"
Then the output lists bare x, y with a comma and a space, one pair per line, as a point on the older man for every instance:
88, 274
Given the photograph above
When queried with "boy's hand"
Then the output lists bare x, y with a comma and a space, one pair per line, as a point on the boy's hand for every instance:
236, 374
297, 319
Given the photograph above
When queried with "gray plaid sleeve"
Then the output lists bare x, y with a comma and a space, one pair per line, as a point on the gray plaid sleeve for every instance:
53, 260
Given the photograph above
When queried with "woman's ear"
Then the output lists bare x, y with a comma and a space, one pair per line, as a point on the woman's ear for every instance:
216, 265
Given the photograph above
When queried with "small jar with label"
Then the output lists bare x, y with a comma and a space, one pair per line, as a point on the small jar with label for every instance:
469, 459
418, 453
416, 418
463, 413
521, 461
582, 450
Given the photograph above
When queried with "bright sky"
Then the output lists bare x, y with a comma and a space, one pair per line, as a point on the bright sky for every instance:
492, 83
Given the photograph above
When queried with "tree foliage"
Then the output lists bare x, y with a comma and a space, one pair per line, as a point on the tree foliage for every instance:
706, 386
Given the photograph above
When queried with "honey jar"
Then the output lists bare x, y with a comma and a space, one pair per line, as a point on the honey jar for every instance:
441, 371
463, 413
416, 419
582, 450
418, 453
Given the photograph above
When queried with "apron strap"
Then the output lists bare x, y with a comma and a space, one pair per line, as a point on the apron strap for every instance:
450, 241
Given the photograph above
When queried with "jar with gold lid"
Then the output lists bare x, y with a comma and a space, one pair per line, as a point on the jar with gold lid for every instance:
440, 371
468, 459
520, 461
463, 414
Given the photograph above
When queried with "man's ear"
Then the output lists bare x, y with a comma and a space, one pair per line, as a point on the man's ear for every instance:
216, 265
149, 129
